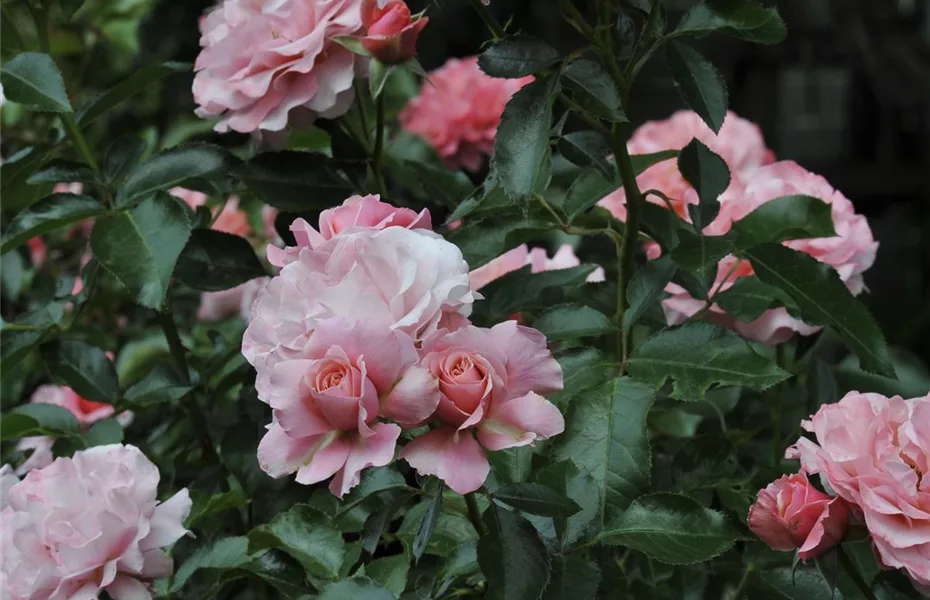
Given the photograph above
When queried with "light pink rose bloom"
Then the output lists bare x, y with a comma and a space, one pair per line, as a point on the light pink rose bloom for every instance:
491, 383
874, 452
264, 64
539, 261
458, 111
390, 35
357, 212
326, 402
229, 220
404, 278
216, 306
87, 525
739, 144
792, 514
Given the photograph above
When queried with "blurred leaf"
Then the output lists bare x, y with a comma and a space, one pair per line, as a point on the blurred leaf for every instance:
59, 170
572, 578
525, 290
512, 557
698, 355
571, 321
46, 215
586, 191
641, 162
17, 339
536, 499
32, 79
172, 168
428, 525
122, 156
606, 437
748, 298
139, 80
743, 19
162, 384
785, 218
373, 481
646, 288
357, 588
517, 56
141, 246
293, 180
84, 368
709, 175
378, 74
593, 89
105, 432
38, 419
587, 149
699, 82
225, 553
206, 506
214, 260
521, 149
661, 224
390, 572
823, 299
786, 583
307, 535
671, 528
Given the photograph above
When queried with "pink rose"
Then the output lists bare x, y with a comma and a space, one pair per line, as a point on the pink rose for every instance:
490, 383
325, 403
406, 279
229, 220
539, 261
458, 111
791, 513
216, 306
391, 36
263, 64
367, 212
87, 525
874, 452
269, 215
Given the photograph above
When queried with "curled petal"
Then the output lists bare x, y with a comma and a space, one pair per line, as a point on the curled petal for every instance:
520, 421
454, 457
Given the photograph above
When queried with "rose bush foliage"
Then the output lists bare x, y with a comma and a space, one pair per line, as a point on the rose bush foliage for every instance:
471, 333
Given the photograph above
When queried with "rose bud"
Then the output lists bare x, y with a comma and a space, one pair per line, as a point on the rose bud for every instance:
791, 513
391, 36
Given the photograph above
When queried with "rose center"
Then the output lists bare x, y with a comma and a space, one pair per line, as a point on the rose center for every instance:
330, 377
913, 464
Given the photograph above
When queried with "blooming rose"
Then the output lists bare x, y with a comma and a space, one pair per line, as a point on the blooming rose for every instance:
874, 452
404, 278
229, 220
266, 63
517, 258
87, 525
490, 384
356, 212
216, 306
458, 110
791, 513
326, 402
390, 35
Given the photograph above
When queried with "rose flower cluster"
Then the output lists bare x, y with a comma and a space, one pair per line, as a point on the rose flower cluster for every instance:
363, 337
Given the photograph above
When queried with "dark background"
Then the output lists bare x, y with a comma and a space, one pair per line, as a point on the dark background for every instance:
847, 95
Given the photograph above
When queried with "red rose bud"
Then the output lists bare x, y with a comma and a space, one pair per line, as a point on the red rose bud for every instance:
391, 36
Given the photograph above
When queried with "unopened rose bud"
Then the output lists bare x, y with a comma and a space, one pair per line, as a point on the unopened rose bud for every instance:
391, 36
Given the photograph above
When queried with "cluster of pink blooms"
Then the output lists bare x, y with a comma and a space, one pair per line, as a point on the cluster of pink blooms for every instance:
364, 333
873, 457
755, 179
87, 525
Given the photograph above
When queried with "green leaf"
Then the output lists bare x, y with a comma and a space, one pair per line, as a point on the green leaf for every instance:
122, 156
162, 384
428, 525
171, 168
592, 88
587, 149
141, 246
785, 218
59, 170
225, 553
646, 288
699, 82
786, 583
671, 528
378, 74
357, 588
32, 79
823, 299
512, 557
525, 290
46, 215
295, 181
709, 175
700, 254
743, 19
214, 260
206, 506
103, 433
306, 534
17, 339
139, 80
85, 368
521, 150
586, 191
606, 437
748, 298
536, 499
572, 578
571, 321
698, 355
517, 56
38, 419
641, 162
390, 572
661, 224
373, 481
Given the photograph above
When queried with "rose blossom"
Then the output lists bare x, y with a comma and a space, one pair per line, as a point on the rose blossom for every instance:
517, 258
458, 110
326, 402
229, 220
390, 35
874, 452
87, 525
404, 278
490, 384
216, 306
791, 513
263, 64
367, 212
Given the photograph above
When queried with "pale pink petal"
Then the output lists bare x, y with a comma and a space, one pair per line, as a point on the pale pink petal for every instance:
528, 362
168, 521
127, 588
413, 399
376, 450
520, 421
280, 455
454, 457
